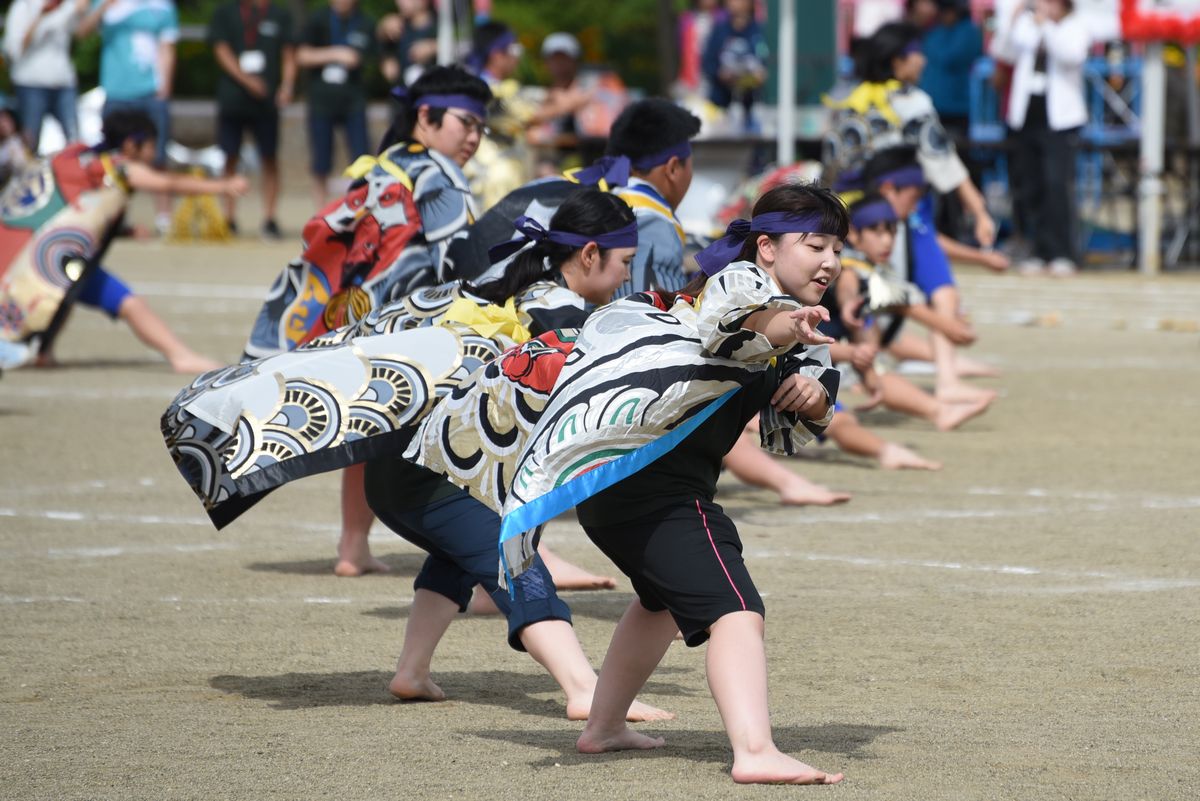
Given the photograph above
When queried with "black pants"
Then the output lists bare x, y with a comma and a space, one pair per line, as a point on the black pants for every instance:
1044, 161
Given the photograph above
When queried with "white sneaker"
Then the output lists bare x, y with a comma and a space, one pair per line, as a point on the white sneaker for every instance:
1031, 266
1063, 268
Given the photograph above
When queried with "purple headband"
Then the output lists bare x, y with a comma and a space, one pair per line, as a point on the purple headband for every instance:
912, 47
683, 151
873, 213
902, 177
614, 170
721, 253
478, 58
465, 102
531, 230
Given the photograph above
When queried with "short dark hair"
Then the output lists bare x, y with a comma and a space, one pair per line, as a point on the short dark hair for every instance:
434, 81
119, 126
589, 212
799, 199
889, 159
873, 57
650, 126
486, 35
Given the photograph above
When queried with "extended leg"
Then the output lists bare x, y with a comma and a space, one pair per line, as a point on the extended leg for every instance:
737, 675
354, 547
154, 332
638, 645
753, 466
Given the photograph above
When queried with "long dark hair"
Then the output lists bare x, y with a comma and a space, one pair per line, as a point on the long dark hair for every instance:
589, 212
434, 81
873, 57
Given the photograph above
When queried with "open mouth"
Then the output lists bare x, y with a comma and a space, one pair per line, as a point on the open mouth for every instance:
822, 281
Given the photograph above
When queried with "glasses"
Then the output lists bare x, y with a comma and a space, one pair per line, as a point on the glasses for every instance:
471, 124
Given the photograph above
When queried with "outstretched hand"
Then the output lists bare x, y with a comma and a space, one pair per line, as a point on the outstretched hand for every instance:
804, 325
236, 185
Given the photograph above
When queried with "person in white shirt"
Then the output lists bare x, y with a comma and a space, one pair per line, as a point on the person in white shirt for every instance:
37, 44
1047, 44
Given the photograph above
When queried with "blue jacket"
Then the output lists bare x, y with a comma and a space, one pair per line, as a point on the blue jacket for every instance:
950, 50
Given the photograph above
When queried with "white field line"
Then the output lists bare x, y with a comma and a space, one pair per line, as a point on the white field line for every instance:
178, 601
165, 289
71, 394
91, 518
1085, 581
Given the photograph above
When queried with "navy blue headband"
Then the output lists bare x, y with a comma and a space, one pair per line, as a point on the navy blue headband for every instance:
902, 177
613, 170
478, 58
873, 213
912, 47
531, 230
465, 102
682, 151
721, 253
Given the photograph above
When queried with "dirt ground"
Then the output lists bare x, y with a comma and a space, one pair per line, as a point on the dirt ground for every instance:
1023, 624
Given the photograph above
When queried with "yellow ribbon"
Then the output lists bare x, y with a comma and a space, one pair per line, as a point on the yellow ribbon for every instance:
364, 164
868, 95
489, 320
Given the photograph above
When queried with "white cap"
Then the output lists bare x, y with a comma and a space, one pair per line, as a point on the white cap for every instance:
561, 42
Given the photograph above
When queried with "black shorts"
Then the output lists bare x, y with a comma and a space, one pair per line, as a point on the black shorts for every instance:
686, 559
264, 125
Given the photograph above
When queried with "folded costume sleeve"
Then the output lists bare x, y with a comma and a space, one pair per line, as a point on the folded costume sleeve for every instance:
785, 432
729, 297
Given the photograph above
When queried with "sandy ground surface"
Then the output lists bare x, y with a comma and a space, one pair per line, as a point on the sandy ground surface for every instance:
1024, 624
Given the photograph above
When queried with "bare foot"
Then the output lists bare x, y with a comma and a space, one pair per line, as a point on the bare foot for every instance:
194, 364
963, 393
775, 767
802, 492
898, 457
624, 739
482, 603
573, 577
415, 688
952, 415
966, 367
353, 568
579, 709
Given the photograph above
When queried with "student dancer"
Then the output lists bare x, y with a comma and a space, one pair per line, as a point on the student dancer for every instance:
386, 237
873, 226
661, 527
896, 174
42, 215
890, 110
581, 259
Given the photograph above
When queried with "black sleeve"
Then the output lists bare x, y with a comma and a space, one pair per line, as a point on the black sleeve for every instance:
558, 317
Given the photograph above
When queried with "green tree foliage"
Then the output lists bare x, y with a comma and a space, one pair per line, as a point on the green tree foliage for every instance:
617, 33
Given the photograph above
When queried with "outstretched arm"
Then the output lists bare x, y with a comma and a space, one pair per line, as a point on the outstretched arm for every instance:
148, 179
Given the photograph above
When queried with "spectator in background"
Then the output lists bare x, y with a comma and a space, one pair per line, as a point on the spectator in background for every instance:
735, 61
13, 153
137, 68
564, 97
695, 26
37, 42
1047, 45
951, 47
952, 44
409, 41
253, 44
334, 48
